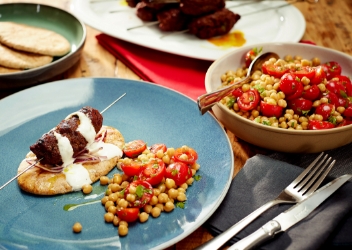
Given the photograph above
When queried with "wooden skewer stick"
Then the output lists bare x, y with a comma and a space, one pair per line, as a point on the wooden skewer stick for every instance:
19, 174
32, 165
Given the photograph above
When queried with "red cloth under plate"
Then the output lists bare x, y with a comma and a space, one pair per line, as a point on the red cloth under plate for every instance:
183, 74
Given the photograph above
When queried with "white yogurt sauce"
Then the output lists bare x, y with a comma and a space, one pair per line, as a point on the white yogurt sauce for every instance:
65, 148
77, 176
85, 127
107, 149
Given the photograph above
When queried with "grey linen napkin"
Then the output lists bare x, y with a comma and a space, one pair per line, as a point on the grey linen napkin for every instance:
261, 180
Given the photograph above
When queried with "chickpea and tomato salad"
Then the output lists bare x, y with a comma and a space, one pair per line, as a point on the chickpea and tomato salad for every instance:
154, 180
292, 93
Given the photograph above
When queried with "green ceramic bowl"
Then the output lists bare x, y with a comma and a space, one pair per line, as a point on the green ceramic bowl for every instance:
50, 18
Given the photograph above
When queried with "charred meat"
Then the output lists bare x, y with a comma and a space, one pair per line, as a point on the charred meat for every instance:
216, 24
201, 7
47, 146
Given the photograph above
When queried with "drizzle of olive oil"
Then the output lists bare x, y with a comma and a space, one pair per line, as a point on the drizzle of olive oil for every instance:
232, 39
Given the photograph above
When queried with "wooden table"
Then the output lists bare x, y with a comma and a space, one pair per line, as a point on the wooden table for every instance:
328, 24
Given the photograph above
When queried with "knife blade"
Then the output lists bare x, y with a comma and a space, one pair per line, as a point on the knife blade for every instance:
290, 217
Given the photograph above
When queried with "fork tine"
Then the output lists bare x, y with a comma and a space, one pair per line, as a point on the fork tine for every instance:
313, 174
322, 177
306, 171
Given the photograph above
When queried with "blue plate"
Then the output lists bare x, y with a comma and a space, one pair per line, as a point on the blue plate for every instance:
148, 112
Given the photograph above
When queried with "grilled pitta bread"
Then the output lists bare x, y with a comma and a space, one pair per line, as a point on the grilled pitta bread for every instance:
4, 70
21, 60
41, 182
33, 39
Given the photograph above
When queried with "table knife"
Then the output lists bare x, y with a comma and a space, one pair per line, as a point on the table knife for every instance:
290, 217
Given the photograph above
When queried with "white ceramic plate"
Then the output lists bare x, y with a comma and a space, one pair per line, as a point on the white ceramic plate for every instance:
285, 24
148, 112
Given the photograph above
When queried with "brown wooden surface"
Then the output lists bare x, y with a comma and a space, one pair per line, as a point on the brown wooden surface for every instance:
328, 24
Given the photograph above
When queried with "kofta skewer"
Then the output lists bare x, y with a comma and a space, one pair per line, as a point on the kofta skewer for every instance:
37, 161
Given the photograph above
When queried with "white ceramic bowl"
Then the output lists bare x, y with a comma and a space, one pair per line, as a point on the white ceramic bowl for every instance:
293, 141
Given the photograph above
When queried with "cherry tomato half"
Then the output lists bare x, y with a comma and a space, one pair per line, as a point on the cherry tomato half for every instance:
186, 155
134, 148
153, 172
128, 214
250, 55
319, 76
131, 168
316, 125
300, 106
337, 88
312, 93
306, 71
298, 92
270, 110
274, 70
158, 146
237, 92
179, 172
346, 82
348, 111
332, 69
143, 193
332, 98
289, 84
325, 110
248, 100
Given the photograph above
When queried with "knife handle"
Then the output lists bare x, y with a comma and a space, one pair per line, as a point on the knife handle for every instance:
263, 234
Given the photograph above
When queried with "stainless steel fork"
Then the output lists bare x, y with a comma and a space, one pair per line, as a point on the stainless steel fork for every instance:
305, 184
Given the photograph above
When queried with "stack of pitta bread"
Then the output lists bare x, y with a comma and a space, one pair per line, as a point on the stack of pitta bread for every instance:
25, 47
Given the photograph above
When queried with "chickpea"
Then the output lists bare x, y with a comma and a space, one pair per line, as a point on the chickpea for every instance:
117, 179
170, 183
112, 209
156, 211
113, 197
109, 204
181, 196
123, 203
162, 198
109, 217
131, 197
172, 193
169, 206
162, 187
166, 159
77, 227
114, 186
190, 181
143, 217
123, 230
87, 189
104, 199
116, 221
104, 180
160, 206
147, 209
154, 200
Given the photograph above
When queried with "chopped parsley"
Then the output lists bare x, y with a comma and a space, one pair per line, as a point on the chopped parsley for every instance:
268, 123
181, 204
197, 177
230, 102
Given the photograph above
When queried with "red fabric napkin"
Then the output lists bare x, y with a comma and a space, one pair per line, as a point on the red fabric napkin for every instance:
183, 74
